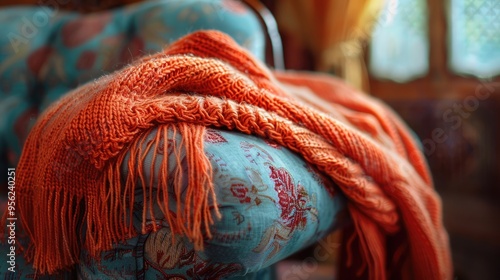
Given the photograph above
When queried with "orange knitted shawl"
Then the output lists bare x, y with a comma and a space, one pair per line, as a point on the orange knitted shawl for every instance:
69, 172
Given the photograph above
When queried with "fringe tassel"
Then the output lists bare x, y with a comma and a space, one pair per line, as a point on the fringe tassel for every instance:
189, 178
57, 216
182, 169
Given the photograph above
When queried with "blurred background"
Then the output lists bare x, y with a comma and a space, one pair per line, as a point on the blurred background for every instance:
437, 64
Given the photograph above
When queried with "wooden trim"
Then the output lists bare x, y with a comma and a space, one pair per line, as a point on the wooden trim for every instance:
455, 87
271, 30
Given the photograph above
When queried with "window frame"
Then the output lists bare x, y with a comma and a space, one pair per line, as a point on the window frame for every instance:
440, 81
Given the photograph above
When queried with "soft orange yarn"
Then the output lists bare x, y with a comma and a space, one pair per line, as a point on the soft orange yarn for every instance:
70, 173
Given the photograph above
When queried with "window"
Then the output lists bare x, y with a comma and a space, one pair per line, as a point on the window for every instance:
400, 46
475, 37
400, 42
457, 96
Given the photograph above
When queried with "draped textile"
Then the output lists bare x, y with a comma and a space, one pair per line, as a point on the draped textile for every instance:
69, 171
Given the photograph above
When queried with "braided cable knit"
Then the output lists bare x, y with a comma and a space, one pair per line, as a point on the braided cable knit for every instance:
69, 170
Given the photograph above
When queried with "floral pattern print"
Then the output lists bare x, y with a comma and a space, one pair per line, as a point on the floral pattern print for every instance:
292, 199
254, 193
164, 254
269, 210
294, 205
240, 191
212, 136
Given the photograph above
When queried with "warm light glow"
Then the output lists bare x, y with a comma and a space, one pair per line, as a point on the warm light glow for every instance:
392, 9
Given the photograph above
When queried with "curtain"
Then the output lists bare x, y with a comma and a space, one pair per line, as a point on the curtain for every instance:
335, 31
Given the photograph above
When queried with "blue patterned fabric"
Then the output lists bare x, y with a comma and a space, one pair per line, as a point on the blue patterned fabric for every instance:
272, 202
42, 60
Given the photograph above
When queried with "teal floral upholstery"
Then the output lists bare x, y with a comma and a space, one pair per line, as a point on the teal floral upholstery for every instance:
40, 62
272, 202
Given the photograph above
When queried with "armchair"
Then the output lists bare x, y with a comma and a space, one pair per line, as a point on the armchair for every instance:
47, 53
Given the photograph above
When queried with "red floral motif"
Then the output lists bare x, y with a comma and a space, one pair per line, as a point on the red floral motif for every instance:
273, 144
240, 191
81, 30
292, 200
38, 58
293, 204
86, 60
212, 136
249, 191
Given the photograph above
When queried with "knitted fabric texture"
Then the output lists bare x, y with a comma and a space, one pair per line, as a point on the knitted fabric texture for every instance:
70, 182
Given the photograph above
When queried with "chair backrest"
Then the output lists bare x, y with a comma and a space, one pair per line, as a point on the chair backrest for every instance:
47, 52
271, 28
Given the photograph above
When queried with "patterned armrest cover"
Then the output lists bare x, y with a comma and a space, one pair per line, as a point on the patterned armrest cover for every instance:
272, 202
